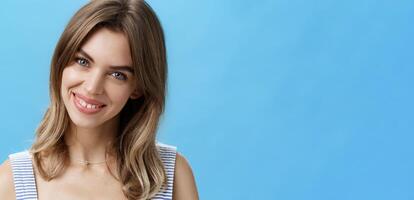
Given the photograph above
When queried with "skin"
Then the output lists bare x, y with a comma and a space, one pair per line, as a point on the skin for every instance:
89, 135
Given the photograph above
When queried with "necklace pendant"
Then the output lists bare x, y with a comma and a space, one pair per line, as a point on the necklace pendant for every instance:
84, 162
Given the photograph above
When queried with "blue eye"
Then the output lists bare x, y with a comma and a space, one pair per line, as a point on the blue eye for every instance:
82, 61
119, 76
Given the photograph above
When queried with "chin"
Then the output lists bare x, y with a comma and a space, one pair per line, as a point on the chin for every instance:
88, 122
82, 123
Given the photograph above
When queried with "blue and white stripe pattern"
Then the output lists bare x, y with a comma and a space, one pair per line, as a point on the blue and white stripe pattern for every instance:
23, 176
25, 184
168, 155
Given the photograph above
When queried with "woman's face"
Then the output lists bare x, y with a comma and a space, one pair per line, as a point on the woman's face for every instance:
99, 81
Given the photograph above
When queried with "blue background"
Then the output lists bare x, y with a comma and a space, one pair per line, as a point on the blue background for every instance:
272, 99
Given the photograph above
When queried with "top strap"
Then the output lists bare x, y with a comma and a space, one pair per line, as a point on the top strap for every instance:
23, 176
168, 154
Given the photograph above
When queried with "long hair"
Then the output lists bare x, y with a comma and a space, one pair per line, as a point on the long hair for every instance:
139, 166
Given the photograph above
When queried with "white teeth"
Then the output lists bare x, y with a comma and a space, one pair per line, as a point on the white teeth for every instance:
86, 105
83, 103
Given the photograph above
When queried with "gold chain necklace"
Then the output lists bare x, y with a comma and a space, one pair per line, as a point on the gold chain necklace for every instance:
85, 162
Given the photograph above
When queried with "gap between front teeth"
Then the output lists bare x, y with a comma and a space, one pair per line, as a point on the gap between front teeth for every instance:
86, 105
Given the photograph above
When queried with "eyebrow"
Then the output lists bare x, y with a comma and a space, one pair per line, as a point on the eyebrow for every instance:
122, 68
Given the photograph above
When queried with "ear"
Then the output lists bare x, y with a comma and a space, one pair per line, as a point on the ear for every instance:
136, 94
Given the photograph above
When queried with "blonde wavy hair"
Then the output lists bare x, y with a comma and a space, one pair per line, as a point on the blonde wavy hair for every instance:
139, 167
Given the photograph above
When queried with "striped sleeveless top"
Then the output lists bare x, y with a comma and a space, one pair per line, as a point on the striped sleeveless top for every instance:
25, 182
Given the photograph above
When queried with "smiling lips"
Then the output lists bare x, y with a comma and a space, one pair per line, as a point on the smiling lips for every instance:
87, 105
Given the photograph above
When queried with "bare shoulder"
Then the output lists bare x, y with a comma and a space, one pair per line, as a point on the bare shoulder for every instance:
184, 183
6, 181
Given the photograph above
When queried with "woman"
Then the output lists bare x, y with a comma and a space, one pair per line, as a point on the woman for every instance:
97, 139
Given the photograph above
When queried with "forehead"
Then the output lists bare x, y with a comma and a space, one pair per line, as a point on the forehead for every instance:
108, 47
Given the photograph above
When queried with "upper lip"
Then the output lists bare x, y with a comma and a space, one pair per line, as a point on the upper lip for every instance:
89, 100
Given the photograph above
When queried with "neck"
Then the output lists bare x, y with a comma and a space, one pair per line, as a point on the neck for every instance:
91, 144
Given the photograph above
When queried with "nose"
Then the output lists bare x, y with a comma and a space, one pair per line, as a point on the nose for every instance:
94, 83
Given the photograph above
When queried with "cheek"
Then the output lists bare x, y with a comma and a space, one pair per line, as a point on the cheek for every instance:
69, 77
119, 95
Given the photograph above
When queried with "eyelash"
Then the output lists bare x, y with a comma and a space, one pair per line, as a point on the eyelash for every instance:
79, 59
124, 77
